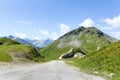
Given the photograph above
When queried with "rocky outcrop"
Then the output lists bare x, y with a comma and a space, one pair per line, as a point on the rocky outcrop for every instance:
66, 54
72, 53
79, 55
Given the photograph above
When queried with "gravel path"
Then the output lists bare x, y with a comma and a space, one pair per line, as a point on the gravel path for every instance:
54, 70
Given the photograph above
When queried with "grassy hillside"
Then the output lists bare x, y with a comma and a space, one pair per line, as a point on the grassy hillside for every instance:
6, 41
18, 53
11, 50
52, 52
87, 39
106, 62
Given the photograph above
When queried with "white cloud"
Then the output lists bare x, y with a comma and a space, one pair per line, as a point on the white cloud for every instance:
44, 32
37, 38
47, 34
20, 35
116, 34
64, 28
24, 22
54, 36
114, 22
87, 23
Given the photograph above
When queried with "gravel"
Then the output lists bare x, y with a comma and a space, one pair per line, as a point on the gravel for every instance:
54, 70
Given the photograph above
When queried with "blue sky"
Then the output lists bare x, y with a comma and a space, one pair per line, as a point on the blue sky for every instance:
39, 19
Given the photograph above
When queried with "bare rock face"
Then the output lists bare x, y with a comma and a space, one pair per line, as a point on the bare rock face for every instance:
79, 55
72, 53
67, 54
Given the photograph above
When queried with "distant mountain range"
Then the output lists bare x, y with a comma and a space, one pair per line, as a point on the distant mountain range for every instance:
34, 42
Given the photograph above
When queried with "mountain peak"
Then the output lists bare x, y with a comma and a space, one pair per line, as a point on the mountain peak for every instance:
79, 30
10, 36
88, 31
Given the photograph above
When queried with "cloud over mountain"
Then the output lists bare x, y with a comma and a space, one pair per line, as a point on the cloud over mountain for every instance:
64, 28
114, 22
87, 23
20, 35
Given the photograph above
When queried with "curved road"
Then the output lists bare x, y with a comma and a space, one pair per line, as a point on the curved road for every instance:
54, 70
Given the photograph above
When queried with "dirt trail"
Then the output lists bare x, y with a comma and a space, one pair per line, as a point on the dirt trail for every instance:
54, 70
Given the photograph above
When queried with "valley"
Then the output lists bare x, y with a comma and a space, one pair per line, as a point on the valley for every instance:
59, 39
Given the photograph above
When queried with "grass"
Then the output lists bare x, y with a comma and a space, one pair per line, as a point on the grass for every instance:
20, 52
52, 53
4, 57
106, 62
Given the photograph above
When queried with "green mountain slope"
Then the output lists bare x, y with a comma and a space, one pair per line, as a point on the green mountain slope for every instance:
87, 39
6, 41
10, 51
106, 62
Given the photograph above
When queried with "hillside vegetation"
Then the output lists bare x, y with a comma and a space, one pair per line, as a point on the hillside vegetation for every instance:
87, 39
51, 52
105, 62
12, 51
6, 41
